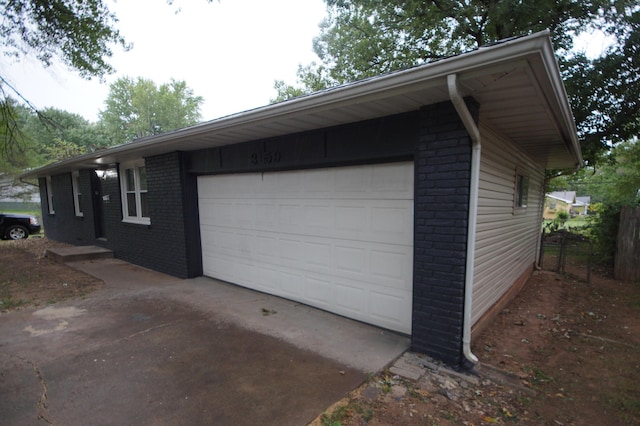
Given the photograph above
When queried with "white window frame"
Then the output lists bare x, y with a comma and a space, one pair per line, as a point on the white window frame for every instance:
75, 175
138, 218
49, 189
521, 180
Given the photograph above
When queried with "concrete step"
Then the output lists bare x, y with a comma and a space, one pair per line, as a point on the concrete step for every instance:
78, 253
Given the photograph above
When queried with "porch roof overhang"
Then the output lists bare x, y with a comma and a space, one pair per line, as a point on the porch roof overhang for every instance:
517, 83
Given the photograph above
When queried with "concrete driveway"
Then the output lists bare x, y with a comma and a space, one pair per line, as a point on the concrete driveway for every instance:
155, 350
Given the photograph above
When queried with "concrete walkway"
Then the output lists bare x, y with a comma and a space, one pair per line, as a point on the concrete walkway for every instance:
360, 346
152, 349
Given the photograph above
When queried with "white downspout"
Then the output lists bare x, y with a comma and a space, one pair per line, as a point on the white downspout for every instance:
474, 133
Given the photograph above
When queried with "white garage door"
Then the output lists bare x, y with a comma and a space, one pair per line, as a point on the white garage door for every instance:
340, 239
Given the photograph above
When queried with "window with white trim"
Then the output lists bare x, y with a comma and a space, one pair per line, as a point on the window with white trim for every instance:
77, 195
521, 198
49, 190
133, 182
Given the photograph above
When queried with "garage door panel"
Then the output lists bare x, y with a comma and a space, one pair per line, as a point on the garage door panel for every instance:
387, 307
318, 290
318, 254
292, 285
350, 259
351, 301
290, 249
393, 178
391, 220
318, 217
266, 248
340, 239
390, 264
317, 182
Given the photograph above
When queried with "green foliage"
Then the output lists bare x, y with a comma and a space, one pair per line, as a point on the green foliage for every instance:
138, 108
14, 146
616, 179
58, 134
557, 223
613, 184
605, 92
602, 229
60, 149
79, 33
364, 38
313, 78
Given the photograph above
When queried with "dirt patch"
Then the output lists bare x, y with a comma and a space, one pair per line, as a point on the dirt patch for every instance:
564, 352
27, 278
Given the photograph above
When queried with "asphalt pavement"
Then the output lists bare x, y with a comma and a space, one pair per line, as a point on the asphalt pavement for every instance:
156, 350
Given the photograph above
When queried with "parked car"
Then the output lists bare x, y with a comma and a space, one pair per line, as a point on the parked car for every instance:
17, 226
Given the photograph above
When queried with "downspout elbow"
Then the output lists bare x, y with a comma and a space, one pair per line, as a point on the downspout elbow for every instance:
474, 133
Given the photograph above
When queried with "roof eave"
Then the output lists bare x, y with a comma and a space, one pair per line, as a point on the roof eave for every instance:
358, 92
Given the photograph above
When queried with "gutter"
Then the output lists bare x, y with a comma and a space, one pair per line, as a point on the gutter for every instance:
474, 133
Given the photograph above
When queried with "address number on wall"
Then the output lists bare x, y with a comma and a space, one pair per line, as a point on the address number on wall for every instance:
266, 157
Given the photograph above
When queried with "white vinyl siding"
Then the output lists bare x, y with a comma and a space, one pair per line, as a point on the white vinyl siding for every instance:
340, 239
506, 243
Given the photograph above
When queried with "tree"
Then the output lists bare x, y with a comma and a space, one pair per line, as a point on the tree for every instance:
79, 33
363, 38
138, 108
617, 181
67, 127
14, 156
605, 92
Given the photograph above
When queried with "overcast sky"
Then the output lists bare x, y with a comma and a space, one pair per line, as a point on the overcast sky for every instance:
229, 52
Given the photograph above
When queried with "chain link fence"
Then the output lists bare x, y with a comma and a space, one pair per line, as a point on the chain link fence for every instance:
567, 253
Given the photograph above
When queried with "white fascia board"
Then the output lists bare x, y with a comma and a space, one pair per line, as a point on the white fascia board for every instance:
393, 84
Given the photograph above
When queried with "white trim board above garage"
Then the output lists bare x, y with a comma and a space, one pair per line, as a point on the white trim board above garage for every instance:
340, 239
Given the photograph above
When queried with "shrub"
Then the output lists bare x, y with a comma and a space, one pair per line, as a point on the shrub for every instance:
602, 229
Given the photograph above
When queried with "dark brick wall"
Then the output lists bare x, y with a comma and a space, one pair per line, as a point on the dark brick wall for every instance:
442, 173
64, 225
162, 245
385, 139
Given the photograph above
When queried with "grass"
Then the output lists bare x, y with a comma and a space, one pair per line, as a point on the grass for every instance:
346, 411
624, 400
7, 302
537, 376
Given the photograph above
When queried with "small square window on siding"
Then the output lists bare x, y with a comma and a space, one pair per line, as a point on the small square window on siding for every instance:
49, 189
522, 193
77, 195
135, 207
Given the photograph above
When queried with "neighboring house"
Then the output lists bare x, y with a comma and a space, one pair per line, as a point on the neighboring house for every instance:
558, 201
581, 206
566, 201
412, 201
